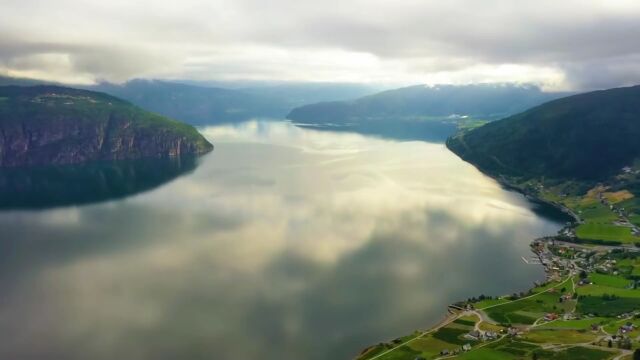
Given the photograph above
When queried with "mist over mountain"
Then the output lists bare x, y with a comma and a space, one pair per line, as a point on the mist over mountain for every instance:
196, 105
204, 103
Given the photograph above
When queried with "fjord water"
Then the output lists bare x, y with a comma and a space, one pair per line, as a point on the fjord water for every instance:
284, 243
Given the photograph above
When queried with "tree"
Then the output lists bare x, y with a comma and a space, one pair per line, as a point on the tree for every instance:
609, 343
636, 354
534, 356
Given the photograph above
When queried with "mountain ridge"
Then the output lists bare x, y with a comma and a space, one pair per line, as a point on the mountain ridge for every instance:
486, 101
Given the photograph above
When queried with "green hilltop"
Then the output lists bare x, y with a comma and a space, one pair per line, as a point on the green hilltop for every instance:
44, 125
581, 153
586, 137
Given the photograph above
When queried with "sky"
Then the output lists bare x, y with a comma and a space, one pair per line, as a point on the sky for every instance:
557, 44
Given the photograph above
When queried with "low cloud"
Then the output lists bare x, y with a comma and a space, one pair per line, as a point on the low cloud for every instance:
557, 44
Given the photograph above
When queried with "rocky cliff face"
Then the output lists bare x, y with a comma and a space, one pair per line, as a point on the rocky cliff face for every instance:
53, 125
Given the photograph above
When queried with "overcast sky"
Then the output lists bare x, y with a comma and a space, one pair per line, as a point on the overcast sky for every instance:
560, 44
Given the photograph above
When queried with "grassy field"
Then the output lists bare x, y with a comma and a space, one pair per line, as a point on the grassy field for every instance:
629, 266
559, 336
467, 321
618, 196
449, 337
401, 353
489, 302
601, 307
502, 349
581, 324
429, 347
613, 326
577, 353
595, 212
598, 218
527, 310
487, 354
470, 124
607, 232
609, 281
608, 285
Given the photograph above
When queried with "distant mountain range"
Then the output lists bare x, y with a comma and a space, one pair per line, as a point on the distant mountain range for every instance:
52, 125
586, 137
200, 103
195, 105
485, 101
295, 94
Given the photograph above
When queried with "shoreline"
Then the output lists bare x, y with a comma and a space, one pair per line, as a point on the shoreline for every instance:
535, 198
530, 197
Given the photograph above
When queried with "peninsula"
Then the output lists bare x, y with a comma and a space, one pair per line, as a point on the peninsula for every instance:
52, 125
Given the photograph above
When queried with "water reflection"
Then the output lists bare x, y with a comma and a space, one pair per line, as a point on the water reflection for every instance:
52, 186
436, 131
285, 243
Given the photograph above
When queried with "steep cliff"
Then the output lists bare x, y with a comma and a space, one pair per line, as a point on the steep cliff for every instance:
56, 125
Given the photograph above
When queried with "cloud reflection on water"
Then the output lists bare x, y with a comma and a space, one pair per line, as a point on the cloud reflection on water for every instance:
284, 243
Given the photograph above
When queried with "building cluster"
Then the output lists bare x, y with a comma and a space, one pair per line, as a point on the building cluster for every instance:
626, 328
479, 335
464, 348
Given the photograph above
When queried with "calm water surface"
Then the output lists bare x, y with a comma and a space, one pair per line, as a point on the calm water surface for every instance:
284, 243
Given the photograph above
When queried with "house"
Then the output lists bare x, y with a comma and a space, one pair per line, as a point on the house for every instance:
626, 328
512, 331
584, 281
473, 335
466, 347
550, 316
565, 297
444, 352
491, 335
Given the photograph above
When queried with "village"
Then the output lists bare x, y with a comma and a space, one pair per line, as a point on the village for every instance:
588, 304
587, 307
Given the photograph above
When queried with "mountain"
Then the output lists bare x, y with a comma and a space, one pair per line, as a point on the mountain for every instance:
195, 105
6, 80
45, 125
483, 101
298, 94
203, 104
587, 137
295, 93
